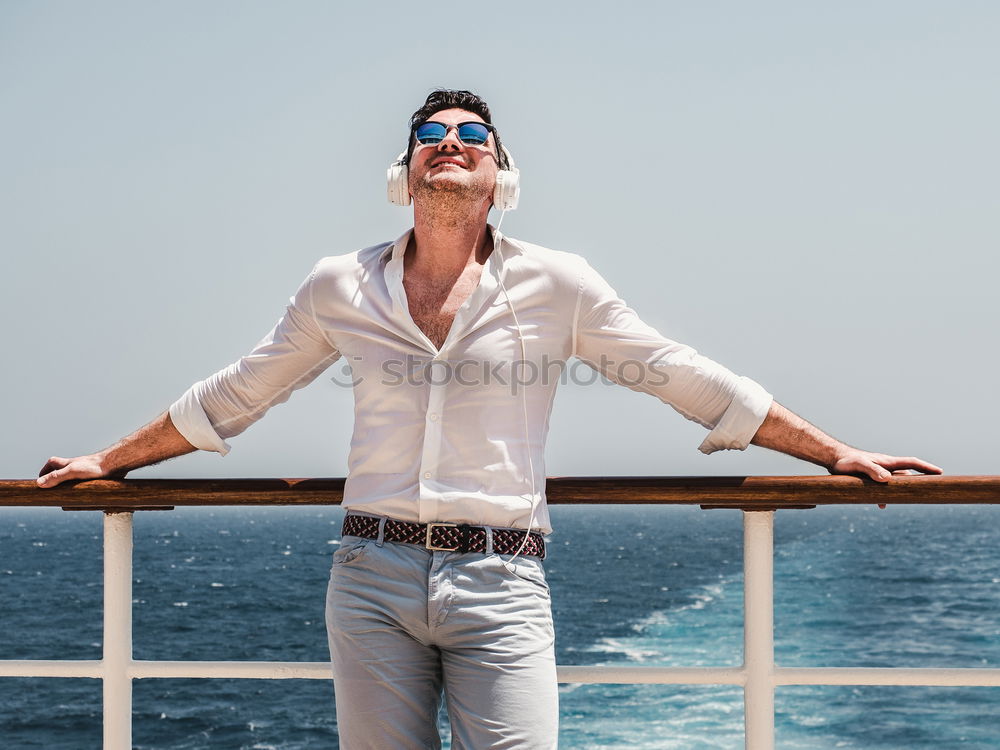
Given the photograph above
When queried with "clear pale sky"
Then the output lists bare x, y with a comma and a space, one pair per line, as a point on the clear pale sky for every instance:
806, 192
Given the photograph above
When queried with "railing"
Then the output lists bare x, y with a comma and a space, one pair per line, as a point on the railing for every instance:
758, 497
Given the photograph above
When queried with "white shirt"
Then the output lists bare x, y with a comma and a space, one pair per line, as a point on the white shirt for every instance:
458, 434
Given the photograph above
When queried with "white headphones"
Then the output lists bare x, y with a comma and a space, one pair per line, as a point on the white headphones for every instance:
505, 193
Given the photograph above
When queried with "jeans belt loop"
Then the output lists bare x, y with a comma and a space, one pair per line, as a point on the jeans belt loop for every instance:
380, 541
489, 540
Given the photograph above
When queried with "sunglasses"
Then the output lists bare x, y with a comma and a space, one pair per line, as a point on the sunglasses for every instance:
472, 133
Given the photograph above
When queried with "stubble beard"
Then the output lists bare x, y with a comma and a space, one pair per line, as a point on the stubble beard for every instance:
450, 202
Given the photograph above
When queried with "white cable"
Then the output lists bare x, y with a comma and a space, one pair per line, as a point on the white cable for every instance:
532, 500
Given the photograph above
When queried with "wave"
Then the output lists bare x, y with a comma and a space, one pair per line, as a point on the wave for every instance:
703, 629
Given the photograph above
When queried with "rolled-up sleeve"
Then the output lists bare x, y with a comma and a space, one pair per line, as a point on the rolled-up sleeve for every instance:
291, 356
611, 338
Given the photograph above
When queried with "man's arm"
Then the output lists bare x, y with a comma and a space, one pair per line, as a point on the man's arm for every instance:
789, 433
157, 441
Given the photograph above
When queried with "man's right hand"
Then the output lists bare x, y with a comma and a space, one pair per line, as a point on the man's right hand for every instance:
157, 441
59, 469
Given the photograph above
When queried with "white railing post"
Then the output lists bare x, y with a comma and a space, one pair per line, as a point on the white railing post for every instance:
758, 628
117, 631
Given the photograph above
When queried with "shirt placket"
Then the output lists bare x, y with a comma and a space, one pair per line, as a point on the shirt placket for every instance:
430, 458
427, 499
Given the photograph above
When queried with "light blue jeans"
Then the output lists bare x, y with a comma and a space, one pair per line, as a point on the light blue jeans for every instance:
403, 622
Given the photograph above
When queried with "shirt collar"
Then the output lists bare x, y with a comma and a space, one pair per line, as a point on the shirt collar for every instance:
488, 283
395, 249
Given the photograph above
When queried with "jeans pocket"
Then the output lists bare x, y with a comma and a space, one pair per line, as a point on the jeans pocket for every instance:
528, 569
352, 549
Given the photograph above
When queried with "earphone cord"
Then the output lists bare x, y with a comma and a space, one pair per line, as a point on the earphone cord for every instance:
533, 500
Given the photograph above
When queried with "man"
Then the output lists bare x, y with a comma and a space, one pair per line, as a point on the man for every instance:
454, 333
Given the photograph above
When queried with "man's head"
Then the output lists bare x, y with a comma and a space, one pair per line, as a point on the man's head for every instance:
453, 152
442, 99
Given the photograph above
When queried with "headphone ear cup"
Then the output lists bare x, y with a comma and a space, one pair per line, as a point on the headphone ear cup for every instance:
507, 190
398, 182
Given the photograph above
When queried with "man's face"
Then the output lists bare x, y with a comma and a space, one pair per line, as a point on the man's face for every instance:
452, 166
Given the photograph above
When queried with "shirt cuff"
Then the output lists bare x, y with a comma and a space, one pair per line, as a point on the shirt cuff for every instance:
741, 420
193, 423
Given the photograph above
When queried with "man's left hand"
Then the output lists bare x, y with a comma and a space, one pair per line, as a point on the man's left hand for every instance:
879, 466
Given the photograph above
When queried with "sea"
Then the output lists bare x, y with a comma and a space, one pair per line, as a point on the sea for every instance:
631, 585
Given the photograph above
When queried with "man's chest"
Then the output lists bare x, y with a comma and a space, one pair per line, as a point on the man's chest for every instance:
433, 306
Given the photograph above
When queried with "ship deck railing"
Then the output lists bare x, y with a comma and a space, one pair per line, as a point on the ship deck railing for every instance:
758, 497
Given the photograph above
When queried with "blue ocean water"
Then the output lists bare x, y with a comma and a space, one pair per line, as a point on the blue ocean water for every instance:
631, 585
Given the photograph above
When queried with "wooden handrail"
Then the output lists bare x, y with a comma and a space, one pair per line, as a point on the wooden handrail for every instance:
747, 493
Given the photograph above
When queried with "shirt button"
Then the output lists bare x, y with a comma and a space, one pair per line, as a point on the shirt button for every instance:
427, 475
434, 417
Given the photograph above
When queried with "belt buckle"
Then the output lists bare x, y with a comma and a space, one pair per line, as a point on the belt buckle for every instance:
430, 529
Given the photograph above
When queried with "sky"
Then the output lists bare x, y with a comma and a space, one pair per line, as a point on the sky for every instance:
805, 192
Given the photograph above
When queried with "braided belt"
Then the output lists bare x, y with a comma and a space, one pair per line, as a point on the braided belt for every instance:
449, 537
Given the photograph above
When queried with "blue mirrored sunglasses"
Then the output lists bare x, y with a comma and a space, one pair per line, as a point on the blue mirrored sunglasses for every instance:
473, 133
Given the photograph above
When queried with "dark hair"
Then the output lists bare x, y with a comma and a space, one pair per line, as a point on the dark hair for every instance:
441, 99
